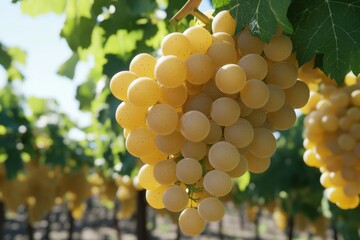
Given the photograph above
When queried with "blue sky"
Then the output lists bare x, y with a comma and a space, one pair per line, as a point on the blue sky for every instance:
46, 51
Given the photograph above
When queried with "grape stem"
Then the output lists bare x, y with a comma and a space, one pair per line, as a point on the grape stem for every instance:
190, 7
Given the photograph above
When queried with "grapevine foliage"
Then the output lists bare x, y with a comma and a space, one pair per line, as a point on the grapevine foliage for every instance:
327, 30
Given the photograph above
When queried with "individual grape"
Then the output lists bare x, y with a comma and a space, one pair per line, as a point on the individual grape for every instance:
162, 119
257, 118
154, 156
143, 65
240, 133
230, 78
223, 156
199, 68
195, 150
355, 131
223, 22
283, 74
225, 111
346, 141
217, 183
355, 97
247, 43
279, 48
175, 198
297, 95
211, 209
240, 169
190, 222
140, 142
330, 122
223, 36
276, 98
176, 44
257, 164
130, 116
351, 189
120, 82
146, 177
215, 133
222, 53
175, 97
199, 102
165, 172
245, 110
255, 94
254, 65
325, 180
200, 39
192, 89
310, 159
143, 92
154, 197
263, 144
212, 90
171, 143
194, 126
188, 170
170, 71
282, 119
353, 113
339, 99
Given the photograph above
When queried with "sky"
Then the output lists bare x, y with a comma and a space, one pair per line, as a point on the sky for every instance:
40, 37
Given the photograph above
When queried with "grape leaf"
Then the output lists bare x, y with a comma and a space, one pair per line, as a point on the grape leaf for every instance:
263, 17
67, 69
220, 3
330, 28
37, 7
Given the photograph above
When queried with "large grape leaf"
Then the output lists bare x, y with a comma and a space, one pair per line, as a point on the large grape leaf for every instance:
263, 17
330, 29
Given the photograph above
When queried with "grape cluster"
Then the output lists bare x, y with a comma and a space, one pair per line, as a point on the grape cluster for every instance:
332, 137
204, 112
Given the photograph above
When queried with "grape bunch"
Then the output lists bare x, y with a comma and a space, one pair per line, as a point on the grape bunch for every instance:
332, 137
204, 112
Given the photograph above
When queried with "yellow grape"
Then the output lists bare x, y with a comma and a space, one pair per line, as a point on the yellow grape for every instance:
143, 92
195, 150
330, 122
276, 98
355, 97
346, 141
282, 119
230, 78
217, 183
170, 71
200, 39
212, 90
162, 119
199, 102
240, 169
188, 170
257, 164
240, 133
279, 48
355, 131
215, 133
120, 82
140, 142
223, 156
165, 172
225, 111
245, 110
154, 197
254, 65
257, 118
175, 198
176, 44
211, 209
255, 94
199, 68
283, 74
146, 177
175, 97
143, 65
153, 157
130, 116
263, 144
223, 22
171, 143
247, 43
190, 222
223, 36
222, 53
194, 126
297, 95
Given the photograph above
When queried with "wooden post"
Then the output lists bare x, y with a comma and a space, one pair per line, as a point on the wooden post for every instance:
141, 230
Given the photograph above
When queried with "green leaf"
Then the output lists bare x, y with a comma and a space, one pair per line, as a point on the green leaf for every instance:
220, 3
5, 59
85, 93
243, 181
331, 28
67, 69
17, 55
263, 17
37, 7
38, 106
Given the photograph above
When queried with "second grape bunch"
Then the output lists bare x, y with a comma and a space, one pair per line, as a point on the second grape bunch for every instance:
204, 113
